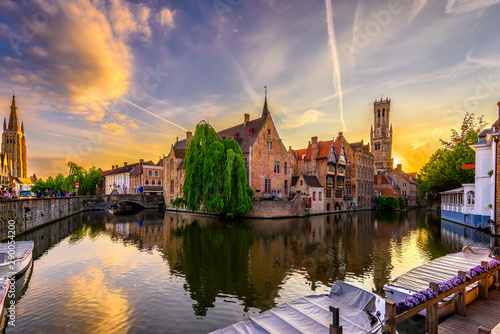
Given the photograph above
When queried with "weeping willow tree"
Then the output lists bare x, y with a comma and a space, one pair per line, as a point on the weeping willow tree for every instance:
215, 177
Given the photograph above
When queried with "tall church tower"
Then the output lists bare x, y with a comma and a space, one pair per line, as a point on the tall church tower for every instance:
14, 143
381, 135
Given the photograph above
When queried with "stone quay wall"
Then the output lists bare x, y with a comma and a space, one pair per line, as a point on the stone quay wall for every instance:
32, 213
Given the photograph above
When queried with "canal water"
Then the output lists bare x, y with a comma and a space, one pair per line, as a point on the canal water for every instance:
178, 273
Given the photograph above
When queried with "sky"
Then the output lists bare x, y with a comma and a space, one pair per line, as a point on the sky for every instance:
102, 82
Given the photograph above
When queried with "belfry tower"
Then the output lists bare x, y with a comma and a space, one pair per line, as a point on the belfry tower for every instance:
381, 135
14, 143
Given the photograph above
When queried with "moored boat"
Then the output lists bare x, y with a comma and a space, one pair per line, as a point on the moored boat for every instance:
4, 289
360, 311
15, 258
439, 270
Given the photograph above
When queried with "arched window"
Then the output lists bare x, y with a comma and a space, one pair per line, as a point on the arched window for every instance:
150, 173
159, 182
379, 113
470, 197
153, 182
156, 173
383, 112
146, 182
314, 195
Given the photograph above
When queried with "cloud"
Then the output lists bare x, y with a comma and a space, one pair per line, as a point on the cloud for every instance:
166, 18
465, 6
113, 129
418, 5
129, 19
308, 117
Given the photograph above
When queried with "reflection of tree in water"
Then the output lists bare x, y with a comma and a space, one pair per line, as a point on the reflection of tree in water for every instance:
215, 261
86, 230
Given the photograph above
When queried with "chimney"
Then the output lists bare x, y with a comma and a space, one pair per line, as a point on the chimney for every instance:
341, 134
141, 161
112, 166
246, 120
125, 164
314, 140
189, 136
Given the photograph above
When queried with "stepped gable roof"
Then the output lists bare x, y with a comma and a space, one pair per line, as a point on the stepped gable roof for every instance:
244, 136
312, 181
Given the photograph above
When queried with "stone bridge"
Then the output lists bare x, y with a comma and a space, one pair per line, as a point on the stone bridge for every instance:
31, 213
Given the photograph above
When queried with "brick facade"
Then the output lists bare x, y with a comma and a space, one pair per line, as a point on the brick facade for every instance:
381, 135
405, 183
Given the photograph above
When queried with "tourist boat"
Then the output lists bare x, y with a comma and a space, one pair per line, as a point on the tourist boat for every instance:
360, 311
4, 289
23, 252
436, 271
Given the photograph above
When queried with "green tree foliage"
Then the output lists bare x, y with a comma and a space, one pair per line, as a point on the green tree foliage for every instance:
389, 203
88, 180
444, 170
215, 177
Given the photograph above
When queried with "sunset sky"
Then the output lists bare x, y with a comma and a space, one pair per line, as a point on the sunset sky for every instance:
104, 82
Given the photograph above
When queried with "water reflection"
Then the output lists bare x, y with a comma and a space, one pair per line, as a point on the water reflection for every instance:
150, 272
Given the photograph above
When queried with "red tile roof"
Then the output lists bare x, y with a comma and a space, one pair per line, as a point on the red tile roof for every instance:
324, 150
338, 146
300, 153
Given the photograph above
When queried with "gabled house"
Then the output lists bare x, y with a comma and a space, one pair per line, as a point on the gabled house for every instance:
311, 190
267, 162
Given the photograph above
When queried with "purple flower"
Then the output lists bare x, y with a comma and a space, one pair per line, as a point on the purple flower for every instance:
493, 264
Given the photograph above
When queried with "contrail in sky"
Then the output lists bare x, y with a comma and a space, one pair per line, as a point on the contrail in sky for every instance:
335, 59
153, 114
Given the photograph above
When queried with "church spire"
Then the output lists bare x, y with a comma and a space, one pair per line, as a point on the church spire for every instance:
22, 127
4, 124
265, 110
13, 121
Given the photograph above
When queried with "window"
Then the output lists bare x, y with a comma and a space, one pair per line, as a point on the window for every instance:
285, 168
338, 194
276, 167
348, 189
171, 164
404, 184
314, 195
267, 186
159, 182
301, 182
268, 132
268, 145
470, 197
171, 186
319, 196
329, 180
328, 193
404, 193
156, 173
331, 167
383, 112
379, 113
150, 173
146, 182
246, 163
153, 182
286, 185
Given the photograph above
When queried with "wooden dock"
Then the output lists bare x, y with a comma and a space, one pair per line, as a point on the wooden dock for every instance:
480, 312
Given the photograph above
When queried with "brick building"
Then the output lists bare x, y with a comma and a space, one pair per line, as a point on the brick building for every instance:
149, 176
4, 171
384, 185
381, 135
267, 162
406, 184
311, 191
358, 174
327, 162
173, 170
